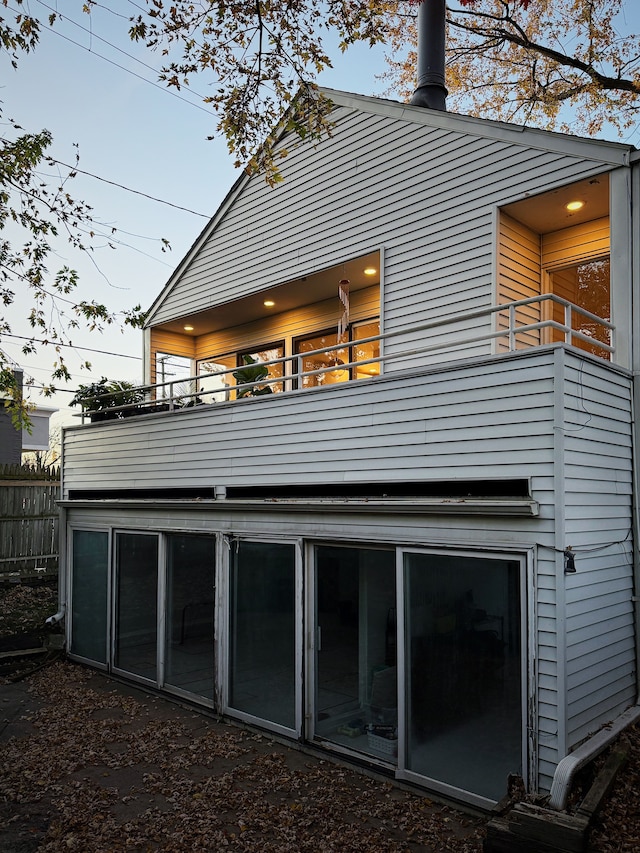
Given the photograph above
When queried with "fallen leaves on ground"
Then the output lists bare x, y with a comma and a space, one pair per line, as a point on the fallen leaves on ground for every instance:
120, 774
617, 825
23, 608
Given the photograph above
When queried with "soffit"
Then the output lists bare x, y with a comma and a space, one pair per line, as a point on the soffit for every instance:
306, 290
546, 212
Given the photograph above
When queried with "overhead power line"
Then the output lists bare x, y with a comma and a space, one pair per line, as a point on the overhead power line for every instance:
71, 346
124, 53
130, 190
139, 77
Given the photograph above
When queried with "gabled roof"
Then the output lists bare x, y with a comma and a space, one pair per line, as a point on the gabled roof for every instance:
608, 153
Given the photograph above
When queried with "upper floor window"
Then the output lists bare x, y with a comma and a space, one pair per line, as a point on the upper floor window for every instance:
218, 376
328, 367
587, 286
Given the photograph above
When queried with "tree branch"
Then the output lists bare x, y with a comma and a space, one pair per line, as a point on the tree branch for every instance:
519, 38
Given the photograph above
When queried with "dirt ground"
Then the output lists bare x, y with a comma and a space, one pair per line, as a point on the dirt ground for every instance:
95, 766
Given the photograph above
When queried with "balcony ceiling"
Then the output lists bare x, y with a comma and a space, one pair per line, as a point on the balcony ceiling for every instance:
294, 294
546, 213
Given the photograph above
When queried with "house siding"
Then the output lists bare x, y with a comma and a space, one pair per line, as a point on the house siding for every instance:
601, 677
466, 421
377, 182
575, 244
455, 423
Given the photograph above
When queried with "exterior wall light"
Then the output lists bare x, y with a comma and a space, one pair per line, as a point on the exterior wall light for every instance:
569, 561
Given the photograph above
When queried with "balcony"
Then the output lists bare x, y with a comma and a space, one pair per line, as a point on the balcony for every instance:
515, 326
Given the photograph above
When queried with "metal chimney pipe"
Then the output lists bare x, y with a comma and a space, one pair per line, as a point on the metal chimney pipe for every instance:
431, 91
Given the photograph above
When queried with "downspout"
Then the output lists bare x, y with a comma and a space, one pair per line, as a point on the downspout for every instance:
570, 764
431, 91
591, 748
57, 617
54, 620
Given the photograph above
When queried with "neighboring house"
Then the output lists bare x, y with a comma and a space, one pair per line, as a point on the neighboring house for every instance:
10, 437
418, 551
15, 442
37, 439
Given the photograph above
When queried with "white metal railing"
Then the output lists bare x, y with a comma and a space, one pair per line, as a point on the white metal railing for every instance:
172, 395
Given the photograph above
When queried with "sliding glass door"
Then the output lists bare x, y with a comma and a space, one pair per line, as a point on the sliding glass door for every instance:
189, 608
89, 595
355, 701
264, 626
432, 684
415, 656
463, 670
136, 607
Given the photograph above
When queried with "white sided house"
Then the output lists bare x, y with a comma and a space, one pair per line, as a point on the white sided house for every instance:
405, 534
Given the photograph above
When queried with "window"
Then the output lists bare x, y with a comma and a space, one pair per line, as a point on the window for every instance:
174, 369
217, 375
587, 286
214, 383
330, 364
261, 355
361, 352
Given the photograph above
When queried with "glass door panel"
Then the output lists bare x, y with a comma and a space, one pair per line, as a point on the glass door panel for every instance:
89, 584
356, 676
262, 654
586, 285
463, 670
136, 608
189, 614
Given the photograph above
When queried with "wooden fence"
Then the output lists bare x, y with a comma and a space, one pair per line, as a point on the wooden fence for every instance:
28, 529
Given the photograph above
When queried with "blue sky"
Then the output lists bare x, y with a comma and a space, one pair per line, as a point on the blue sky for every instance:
131, 131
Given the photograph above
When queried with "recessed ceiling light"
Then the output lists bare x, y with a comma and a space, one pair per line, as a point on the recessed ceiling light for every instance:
269, 303
370, 271
574, 205
188, 328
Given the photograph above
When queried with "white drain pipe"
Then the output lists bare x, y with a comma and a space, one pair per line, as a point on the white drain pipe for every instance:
570, 764
62, 573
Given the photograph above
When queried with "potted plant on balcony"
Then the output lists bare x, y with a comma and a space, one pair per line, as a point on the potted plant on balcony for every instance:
253, 371
99, 398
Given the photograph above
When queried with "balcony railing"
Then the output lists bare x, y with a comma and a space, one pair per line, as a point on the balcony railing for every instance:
513, 334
